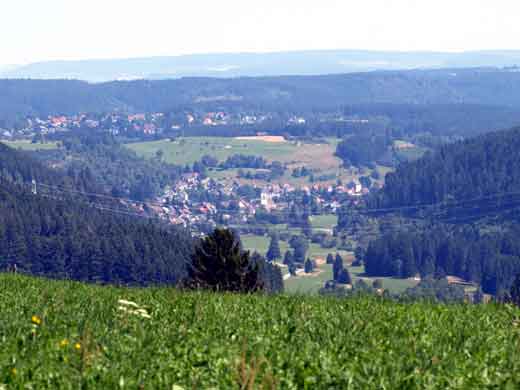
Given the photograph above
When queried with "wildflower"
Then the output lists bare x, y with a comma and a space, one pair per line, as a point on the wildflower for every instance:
13, 371
124, 302
77, 346
36, 320
132, 308
64, 343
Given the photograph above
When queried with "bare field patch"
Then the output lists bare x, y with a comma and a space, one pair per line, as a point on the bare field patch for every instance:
264, 138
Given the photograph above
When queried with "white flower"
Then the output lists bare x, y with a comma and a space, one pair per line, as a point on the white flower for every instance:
133, 308
124, 302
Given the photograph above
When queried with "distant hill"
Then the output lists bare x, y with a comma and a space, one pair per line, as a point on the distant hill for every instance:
483, 86
258, 64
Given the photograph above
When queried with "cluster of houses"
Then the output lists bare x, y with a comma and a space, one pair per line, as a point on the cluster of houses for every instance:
225, 203
149, 123
119, 123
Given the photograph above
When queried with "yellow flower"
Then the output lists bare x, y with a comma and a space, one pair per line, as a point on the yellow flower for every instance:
13, 371
36, 320
64, 343
77, 346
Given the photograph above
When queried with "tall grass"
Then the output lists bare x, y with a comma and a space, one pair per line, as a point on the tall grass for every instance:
71, 335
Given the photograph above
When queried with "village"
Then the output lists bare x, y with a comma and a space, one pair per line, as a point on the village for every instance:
156, 123
239, 205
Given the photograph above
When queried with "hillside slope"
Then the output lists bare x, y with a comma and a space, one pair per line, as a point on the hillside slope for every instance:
489, 87
483, 166
60, 235
461, 209
79, 338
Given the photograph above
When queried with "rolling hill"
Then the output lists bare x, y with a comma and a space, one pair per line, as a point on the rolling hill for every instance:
484, 87
258, 64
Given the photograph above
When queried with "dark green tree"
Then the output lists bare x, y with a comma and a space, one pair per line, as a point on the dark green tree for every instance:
337, 267
344, 277
300, 246
514, 293
219, 264
288, 258
309, 266
274, 253
330, 259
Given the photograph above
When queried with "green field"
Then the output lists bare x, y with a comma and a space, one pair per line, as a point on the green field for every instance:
326, 221
29, 146
311, 284
318, 157
191, 149
68, 335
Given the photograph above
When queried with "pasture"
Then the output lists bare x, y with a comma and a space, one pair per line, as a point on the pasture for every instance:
318, 157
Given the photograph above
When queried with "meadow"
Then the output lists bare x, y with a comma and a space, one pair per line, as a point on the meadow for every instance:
190, 149
319, 157
305, 284
70, 335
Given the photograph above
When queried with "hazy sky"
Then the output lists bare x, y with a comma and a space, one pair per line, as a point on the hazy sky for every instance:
36, 30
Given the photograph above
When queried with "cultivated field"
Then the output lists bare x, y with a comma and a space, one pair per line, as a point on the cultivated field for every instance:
318, 157
191, 149
69, 335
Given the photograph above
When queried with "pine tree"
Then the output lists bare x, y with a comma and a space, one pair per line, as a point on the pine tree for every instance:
220, 265
288, 258
277, 285
337, 267
514, 293
330, 259
309, 266
274, 253
344, 277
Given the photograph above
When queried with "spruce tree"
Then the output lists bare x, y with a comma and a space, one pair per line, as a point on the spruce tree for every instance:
220, 265
274, 253
337, 267
288, 258
330, 259
344, 277
514, 293
309, 266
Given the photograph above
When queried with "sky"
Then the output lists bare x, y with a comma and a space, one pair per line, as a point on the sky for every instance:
41, 30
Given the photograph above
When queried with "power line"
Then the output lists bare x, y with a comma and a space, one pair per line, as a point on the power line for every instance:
272, 227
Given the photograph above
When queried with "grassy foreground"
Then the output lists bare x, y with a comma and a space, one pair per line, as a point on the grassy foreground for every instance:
69, 335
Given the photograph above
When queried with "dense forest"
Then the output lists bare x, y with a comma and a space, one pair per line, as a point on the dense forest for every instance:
363, 149
65, 239
491, 260
453, 212
63, 236
475, 98
479, 167
118, 170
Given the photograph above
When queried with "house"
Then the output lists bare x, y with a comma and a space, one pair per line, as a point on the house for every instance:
266, 200
136, 117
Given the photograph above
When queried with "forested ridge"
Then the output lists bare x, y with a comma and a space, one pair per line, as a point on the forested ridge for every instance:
100, 157
491, 260
57, 234
62, 238
493, 90
466, 196
483, 166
